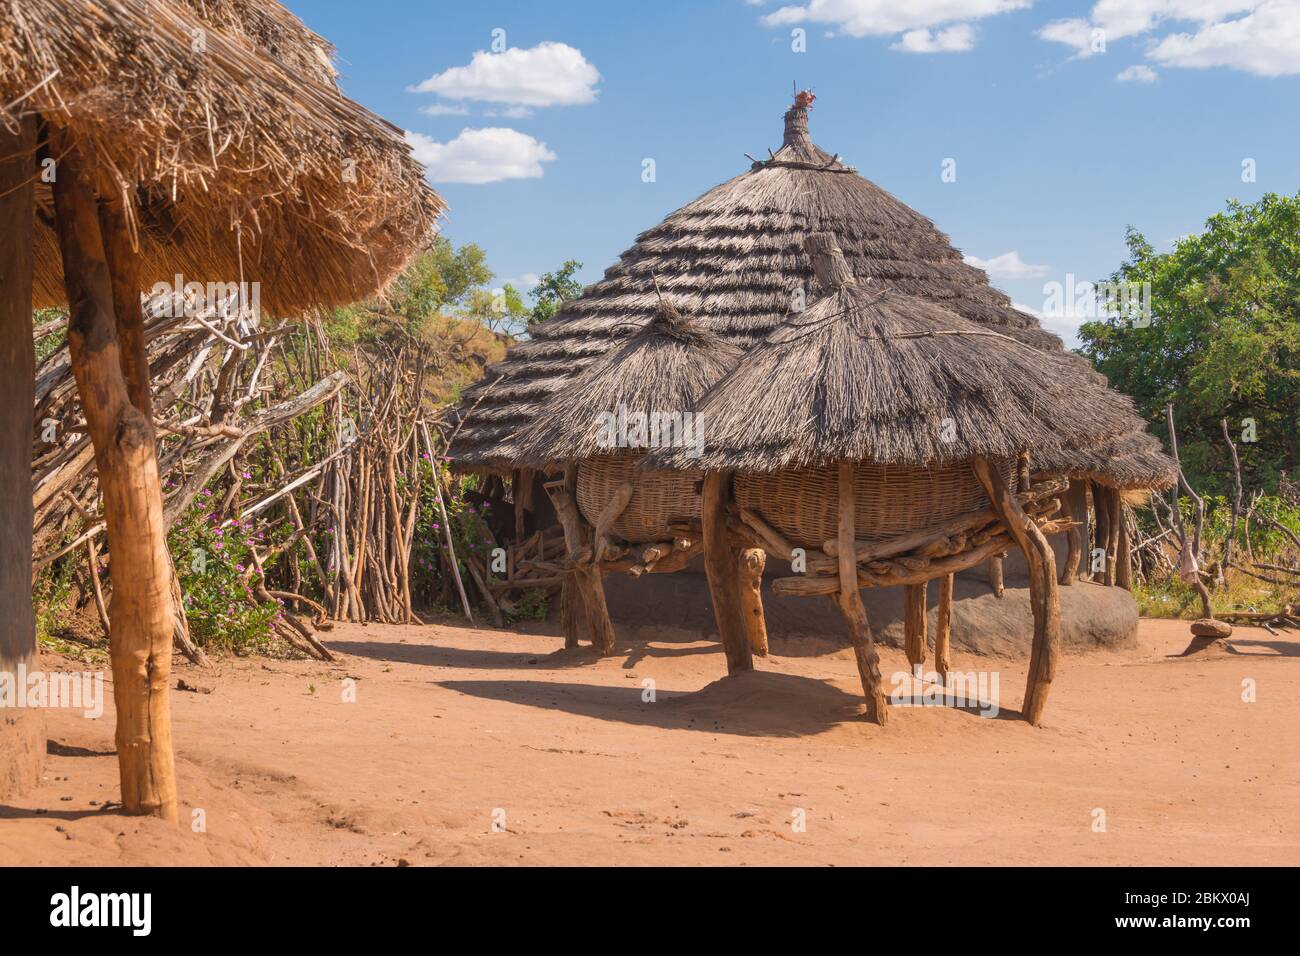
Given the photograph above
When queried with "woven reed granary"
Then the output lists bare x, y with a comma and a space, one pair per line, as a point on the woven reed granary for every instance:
878, 439
596, 431
139, 140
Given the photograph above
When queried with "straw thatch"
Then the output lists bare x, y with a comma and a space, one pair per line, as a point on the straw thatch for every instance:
734, 259
869, 374
656, 375
222, 120
1133, 461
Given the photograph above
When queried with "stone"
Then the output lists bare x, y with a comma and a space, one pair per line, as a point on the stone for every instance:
1209, 627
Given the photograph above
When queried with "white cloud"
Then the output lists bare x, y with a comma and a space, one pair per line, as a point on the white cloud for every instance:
1137, 74
444, 109
480, 156
860, 18
549, 74
1009, 265
954, 39
1256, 36
1065, 324
525, 282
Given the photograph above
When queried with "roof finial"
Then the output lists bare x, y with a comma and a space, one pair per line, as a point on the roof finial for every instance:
796, 119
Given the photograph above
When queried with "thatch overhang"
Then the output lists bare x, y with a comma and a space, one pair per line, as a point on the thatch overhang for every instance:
1134, 461
221, 120
646, 386
871, 374
734, 260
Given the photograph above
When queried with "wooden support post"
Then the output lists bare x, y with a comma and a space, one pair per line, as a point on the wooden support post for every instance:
522, 491
1114, 517
586, 575
722, 565
141, 614
1076, 508
570, 618
994, 570
1125, 557
1044, 597
22, 740
914, 625
943, 628
1101, 532
752, 563
850, 601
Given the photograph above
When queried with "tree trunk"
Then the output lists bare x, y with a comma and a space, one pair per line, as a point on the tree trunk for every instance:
850, 601
1044, 597
22, 741
752, 563
141, 612
722, 565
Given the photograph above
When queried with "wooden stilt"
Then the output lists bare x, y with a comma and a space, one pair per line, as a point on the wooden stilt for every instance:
141, 613
1114, 520
1101, 532
1044, 596
569, 612
586, 576
1124, 558
943, 627
521, 482
722, 565
22, 741
850, 601
1076, 508
914, 625
752, 563
994, 569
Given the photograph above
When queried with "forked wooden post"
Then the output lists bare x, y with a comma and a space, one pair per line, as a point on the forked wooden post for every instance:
752, 563
586, 575
142, 613
22, 740
722, 566
1043, 593
943, 628
914, 625
850, 601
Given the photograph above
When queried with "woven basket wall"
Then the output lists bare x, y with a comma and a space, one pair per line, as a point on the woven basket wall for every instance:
891, 499
660, 498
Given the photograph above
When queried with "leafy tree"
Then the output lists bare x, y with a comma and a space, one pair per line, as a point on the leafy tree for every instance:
1223, 340
553, 290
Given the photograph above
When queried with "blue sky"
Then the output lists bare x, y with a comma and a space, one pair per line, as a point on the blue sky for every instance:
1067, 121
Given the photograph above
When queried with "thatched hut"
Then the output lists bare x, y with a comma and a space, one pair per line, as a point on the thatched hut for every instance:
597, 430
878, 439
142, 140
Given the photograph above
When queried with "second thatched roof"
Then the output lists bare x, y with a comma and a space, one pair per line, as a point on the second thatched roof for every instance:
638, 397
221, 122
872, 374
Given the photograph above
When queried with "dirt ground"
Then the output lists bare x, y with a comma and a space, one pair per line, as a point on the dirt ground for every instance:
471, 746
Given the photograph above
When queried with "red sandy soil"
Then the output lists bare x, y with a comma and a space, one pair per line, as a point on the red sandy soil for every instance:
451, 724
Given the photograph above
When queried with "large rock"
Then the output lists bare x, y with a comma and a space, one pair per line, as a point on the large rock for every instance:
1209, 627
670, 606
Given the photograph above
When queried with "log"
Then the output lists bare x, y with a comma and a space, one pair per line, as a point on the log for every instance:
943, 628
22, 738
586, 575
616, 505
914, 625
995, 575
752, 562
1044, 597
850, 601
722, 566
1101, 532
1076, 508
1115, 518
774, 541
570, 618
142, 613
1123, 552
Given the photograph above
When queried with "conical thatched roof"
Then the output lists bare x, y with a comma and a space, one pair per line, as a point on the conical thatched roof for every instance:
223, 119
1131, 461
652, 380
733, 259
871, 374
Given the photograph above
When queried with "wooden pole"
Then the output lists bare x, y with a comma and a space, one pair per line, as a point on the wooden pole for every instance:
722, 565
914, 625
1101, 532
141, 614
22, 740
1076, 508
1123, 550
994, 570
752, 563
586, 575
850, 601
1044, 597
1114, 519
943, 627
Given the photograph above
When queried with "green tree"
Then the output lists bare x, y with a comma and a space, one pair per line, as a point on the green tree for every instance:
553, 290
1223, 340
